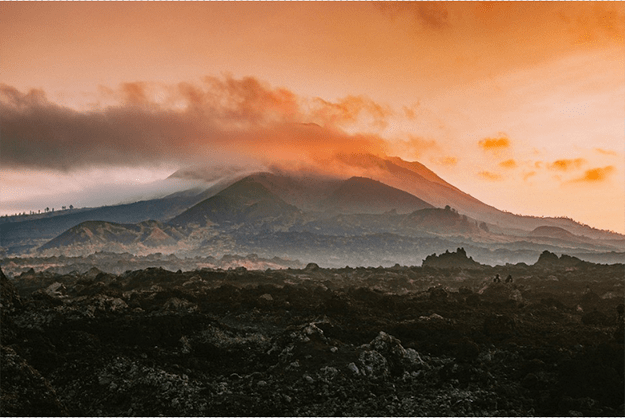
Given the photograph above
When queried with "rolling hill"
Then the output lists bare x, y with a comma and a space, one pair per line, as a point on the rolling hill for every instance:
88, 237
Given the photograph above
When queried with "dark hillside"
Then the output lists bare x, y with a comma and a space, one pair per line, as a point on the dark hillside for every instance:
364, 195
244, 202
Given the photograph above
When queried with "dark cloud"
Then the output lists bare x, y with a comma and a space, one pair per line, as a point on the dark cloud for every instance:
217, 119
39, 134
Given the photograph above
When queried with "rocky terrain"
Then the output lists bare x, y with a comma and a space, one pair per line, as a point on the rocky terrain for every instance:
398, 341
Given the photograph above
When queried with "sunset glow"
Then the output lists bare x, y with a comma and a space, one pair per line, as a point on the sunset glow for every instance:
520, 104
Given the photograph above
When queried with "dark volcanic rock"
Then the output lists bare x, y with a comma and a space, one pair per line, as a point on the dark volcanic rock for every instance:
596, 318
550, 260
500, 292
10, 303
499, 325
451, 260
8, 296
24, 391
322, 342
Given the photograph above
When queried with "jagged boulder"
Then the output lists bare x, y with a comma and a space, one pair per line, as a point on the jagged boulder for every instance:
374, 364
448, 259
385, 356
312, 267
550, 260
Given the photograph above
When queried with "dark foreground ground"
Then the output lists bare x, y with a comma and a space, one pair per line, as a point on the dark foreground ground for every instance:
392, 342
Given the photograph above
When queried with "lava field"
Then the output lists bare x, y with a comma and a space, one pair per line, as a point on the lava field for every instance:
400, 341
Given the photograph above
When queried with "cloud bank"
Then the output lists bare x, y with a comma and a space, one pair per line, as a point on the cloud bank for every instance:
217, 120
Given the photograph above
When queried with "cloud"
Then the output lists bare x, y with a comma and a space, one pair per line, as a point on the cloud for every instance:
447, 161
606, 152
487, 175
413, 147
508, 164
495, 144
134, 93
595, 175
433, 15
218, 119
410, 112
527, 176
567, 164
349, 110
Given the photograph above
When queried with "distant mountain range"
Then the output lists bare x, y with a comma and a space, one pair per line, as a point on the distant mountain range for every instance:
402, 211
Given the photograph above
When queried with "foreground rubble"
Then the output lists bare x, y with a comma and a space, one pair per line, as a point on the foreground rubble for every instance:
312, 342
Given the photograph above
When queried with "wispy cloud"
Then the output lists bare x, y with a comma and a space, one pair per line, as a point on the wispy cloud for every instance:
349, 110
508, 164
595, 175
528, 175
606, 152
487, 175
446, 161
495, 144
413, 147
567, 164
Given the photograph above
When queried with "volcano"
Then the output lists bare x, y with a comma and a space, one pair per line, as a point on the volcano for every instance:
397, 210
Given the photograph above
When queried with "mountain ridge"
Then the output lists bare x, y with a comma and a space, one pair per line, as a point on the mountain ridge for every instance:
239, 210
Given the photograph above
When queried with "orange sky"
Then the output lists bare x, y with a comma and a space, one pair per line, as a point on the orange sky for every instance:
520, 104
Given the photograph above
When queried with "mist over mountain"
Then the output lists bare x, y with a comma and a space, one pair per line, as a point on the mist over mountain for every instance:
391, 211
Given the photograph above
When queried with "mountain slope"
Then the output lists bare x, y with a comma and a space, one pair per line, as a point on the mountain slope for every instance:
553, 232
441, 221
415, 178
304, 191
364, 195
418, 180
245, 202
